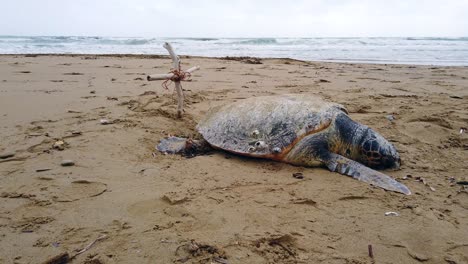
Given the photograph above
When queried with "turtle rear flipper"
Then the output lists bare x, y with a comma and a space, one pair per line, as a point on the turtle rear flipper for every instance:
360, 172
172, 145
184, 146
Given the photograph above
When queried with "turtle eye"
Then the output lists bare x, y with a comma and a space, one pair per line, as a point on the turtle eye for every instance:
257, 143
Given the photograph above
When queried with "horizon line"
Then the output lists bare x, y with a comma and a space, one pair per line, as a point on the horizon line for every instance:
213, 37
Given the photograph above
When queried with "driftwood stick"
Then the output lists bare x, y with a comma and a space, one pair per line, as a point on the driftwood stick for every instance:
180, 96
165, 76
178, 87
89, 246
174, 57
194, 68
158, 77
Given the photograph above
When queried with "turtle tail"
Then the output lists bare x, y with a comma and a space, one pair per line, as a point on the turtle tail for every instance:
183, 146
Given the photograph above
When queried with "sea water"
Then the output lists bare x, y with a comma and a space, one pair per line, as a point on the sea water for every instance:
405, 50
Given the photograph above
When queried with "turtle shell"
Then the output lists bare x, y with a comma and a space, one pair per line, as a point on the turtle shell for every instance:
268, 126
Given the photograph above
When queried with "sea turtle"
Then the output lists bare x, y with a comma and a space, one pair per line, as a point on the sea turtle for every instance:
296, 129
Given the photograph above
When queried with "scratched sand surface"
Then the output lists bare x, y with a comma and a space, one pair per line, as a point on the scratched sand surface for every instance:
237, 210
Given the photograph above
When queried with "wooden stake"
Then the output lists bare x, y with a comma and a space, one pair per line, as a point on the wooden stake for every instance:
370, 251
178, 87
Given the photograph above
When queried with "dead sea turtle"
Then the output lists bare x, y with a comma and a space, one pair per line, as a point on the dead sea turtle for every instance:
299, 130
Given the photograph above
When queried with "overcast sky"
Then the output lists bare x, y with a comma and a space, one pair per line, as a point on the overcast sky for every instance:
235, 18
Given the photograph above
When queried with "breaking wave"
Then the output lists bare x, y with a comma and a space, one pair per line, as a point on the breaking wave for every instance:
258, 41
413, 50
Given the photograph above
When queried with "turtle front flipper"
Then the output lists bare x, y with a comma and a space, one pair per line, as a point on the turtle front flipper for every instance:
360, 172
184, 146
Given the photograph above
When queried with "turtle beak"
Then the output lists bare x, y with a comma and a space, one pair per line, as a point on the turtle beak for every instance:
377, 152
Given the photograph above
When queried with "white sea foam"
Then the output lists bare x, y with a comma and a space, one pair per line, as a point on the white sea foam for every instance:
408, 50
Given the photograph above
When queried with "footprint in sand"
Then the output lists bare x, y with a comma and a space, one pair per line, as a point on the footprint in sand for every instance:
50, 189
177, 214
76, 190
30, 224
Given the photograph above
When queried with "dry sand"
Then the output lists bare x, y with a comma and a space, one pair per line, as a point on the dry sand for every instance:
165, 209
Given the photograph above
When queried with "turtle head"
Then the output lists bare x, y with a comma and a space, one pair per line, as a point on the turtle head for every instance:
362, 144
376, 152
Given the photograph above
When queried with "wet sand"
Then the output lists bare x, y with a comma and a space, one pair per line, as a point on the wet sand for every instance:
221, 208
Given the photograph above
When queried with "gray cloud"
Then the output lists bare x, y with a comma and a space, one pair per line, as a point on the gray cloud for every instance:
236, 18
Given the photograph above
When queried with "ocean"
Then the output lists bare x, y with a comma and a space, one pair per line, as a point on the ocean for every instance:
407, 50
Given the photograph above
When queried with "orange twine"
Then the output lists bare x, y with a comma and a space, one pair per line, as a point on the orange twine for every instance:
178, 75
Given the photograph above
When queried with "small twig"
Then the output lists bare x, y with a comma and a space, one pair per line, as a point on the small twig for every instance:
89, 246
371, 252
167, 241
14, 159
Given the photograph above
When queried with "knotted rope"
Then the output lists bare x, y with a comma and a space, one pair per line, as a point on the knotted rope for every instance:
178, 75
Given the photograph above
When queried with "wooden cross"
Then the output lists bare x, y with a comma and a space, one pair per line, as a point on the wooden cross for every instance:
176, 75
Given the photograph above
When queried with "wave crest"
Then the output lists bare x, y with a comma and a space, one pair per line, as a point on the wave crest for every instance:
258, 41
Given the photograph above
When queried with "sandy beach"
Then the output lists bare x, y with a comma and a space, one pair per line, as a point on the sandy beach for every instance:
145, 207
